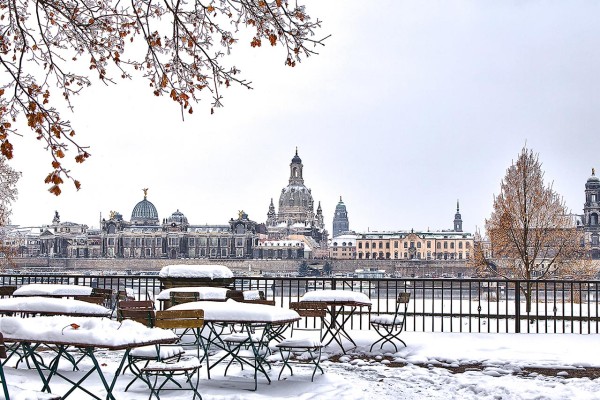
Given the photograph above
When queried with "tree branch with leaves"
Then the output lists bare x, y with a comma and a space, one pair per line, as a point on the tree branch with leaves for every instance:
50, 48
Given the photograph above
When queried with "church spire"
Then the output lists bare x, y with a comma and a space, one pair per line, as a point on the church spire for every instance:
457, 219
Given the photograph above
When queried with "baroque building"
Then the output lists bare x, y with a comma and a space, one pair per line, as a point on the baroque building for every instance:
296, 213
427, 245
144, 236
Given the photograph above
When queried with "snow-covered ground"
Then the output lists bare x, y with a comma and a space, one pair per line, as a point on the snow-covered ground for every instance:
365, 375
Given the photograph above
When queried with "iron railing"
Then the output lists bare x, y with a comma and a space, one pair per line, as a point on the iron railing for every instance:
436, 305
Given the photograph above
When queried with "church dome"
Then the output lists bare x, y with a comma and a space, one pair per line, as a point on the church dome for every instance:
144, 213
593, 182
296, 159
178, 218
295, 195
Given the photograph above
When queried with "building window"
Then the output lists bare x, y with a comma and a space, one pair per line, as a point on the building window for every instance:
418, 245
460, 245
360, 245
439, 245
366, 245
406, 245
395, 245
428, 244
595, 240
381, 245
452, 245
445, 245
191, 242
387, 245
158, 242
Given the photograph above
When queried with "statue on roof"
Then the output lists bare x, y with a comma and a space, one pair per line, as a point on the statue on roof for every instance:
145, 190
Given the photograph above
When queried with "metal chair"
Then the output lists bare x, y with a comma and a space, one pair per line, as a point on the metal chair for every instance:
389, 327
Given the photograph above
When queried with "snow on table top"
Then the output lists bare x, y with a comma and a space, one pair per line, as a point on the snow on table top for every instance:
52, 289
335, 295
231, 310
195, 271
52, 305
204, 292
98, 332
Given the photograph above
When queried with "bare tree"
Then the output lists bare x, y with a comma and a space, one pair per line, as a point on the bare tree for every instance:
8, 194
44, 44
531, 234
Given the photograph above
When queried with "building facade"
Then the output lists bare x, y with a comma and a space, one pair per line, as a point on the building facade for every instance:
403, 245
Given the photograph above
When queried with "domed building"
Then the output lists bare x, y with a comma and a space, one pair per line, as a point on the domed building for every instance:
296, 215
144, 212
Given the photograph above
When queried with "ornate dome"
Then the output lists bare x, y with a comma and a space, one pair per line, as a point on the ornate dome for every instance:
144, 213
593, 182
178, 218
295, 196
296, 159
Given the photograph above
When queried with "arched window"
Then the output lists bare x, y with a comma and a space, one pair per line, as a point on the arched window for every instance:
594, 219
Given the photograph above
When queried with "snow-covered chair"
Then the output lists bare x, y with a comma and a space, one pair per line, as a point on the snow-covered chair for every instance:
300, 350
183, 321
389, 327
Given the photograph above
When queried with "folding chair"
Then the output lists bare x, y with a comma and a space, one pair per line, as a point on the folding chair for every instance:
106, 294
142, 311
389, 327
7, 291
310, 309
91, 299
187, 320
183, 297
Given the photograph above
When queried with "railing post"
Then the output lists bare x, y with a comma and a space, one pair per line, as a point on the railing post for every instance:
517, 307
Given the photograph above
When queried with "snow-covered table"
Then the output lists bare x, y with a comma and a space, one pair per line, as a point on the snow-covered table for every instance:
202, 293
342, 304
86, 334
270, 321
35, 305
52, 290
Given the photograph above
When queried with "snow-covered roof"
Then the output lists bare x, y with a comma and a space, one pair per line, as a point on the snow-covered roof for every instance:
195, 271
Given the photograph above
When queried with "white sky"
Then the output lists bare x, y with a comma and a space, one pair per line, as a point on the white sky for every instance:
410, 106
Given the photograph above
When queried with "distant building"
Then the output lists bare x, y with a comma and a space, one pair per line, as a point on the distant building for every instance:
145, 237
340, 219
589, 221
343, 247
296, 214
426, 245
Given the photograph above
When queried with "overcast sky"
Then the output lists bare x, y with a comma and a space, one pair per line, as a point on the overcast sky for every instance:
410, 106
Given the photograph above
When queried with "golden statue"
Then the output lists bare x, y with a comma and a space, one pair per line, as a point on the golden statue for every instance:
112, 214
240, 214
145, 192
593, 171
